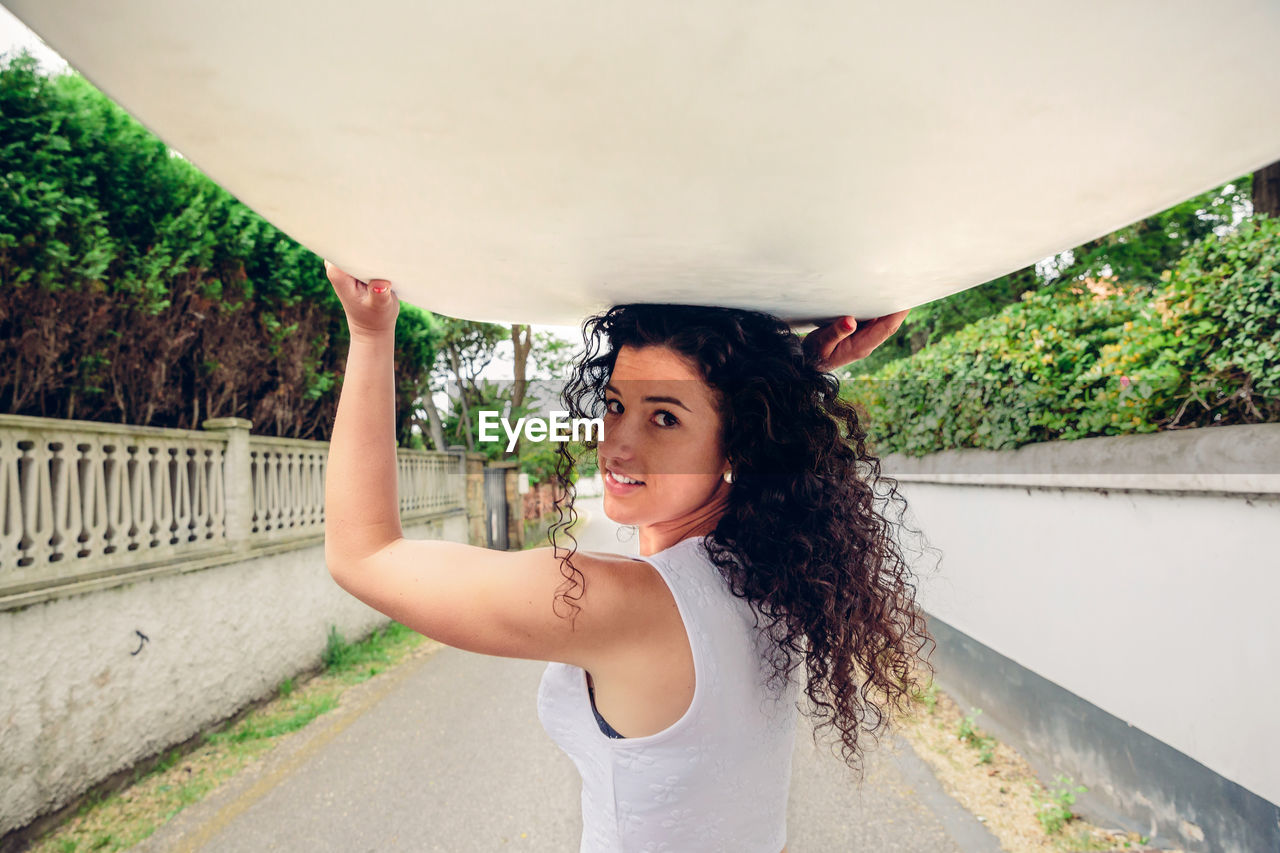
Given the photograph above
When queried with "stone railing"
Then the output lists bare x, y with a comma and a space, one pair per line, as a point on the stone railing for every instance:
85, 504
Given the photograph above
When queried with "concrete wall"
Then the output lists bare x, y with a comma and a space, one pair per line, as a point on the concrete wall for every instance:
1121, 629
82, 695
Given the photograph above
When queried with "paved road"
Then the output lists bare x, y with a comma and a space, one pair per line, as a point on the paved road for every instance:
445, 753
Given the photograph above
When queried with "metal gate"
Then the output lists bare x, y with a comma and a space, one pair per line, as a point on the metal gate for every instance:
495, 506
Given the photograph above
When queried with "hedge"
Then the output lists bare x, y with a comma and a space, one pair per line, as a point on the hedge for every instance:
98, 218
1097, 357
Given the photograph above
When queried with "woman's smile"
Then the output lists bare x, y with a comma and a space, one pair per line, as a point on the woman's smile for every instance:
620, 487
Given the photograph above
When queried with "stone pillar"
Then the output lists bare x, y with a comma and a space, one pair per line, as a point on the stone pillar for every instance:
477, 534
515, 505
458, 477
237, 480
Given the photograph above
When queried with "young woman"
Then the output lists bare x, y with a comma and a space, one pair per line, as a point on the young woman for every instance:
670, 681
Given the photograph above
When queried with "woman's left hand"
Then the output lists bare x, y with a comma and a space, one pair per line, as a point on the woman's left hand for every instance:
844, 339
372, 307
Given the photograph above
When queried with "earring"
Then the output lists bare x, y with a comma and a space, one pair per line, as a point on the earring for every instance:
728, 476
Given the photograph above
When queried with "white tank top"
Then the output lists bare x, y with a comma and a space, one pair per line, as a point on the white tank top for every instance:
718, 778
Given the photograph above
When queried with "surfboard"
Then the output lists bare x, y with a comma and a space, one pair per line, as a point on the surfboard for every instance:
539, 161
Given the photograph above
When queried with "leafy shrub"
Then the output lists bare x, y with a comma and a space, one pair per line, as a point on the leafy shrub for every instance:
1206, 350
1097, 358
104, 229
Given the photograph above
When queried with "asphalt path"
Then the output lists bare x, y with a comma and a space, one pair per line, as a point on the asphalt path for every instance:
445, 753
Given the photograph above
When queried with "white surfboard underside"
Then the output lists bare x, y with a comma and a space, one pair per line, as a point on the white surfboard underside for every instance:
539, 161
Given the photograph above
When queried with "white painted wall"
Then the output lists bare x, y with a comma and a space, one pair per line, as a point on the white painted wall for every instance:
590, 487
1157, 606
77, 705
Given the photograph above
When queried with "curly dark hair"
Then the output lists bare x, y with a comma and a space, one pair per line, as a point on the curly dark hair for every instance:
801, 538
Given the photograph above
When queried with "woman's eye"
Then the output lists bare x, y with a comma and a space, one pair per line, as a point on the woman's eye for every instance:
671, 421
674, 421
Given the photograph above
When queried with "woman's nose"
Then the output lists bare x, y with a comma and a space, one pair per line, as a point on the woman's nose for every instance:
619, 439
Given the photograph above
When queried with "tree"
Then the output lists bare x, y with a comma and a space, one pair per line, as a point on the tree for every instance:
1135, 255
521, 344
551, 357
468, 348
1266, 190
484, 395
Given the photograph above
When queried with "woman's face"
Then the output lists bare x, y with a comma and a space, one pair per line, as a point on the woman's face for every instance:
661, 427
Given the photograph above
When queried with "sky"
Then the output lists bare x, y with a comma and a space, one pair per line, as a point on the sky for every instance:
15, 35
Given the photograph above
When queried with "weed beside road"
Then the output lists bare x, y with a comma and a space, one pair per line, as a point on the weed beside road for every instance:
997, 786
115, 821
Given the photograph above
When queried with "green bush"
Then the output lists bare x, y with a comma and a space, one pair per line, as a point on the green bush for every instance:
1206, 349
1097, 358
104, 229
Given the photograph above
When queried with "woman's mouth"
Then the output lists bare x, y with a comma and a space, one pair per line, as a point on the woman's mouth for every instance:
621, 484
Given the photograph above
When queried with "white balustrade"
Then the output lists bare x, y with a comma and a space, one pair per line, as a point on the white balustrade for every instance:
86, 500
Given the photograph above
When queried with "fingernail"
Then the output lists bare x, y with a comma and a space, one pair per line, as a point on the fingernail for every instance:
379, 290
848, 323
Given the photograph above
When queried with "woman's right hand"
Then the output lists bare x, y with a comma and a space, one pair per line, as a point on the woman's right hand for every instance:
371, 307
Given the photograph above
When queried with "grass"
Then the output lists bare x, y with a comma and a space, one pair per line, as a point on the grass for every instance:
969, 734
1054, 811
999, 787
928, 696
116, 821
